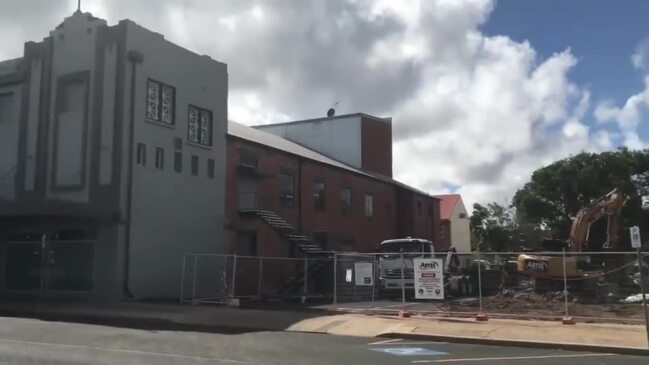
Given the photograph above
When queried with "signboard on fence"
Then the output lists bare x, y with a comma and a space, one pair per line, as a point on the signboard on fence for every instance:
429, 279
636, 242
364, 273
348, 275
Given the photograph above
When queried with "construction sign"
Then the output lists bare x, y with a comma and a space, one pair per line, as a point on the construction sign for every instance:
636, 241
429, 279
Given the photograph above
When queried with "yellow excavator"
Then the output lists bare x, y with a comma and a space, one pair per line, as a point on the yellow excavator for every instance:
547, 269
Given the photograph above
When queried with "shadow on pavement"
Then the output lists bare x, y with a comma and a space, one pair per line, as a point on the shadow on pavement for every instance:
167, 316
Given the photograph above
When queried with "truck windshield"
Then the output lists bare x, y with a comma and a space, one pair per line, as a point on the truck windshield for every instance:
406, 246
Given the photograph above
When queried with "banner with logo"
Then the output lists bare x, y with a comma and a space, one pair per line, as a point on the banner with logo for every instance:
429, 279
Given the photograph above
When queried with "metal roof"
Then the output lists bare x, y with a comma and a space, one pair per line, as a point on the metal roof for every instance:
254, 135
447, 204
274, 141
384, 119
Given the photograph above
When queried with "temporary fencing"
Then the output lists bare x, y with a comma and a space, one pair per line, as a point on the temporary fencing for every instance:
592, 286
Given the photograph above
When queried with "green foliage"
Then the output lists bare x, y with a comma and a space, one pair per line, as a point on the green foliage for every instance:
557, 192
493, 227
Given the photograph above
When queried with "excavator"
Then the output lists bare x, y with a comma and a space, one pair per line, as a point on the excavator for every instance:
547, 269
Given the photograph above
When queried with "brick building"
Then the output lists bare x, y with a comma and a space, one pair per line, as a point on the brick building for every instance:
284, 198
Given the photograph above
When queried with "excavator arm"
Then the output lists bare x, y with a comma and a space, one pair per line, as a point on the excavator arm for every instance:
610, 205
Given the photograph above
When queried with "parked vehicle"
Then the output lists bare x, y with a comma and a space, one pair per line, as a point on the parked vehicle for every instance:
397, 254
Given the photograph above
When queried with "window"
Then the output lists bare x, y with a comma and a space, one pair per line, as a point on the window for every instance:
442, 231
160, 102
320, 238
419, 207
430, 209
462, 215
369, 205
210, 168
159, 158
199, 128
194, 165
287, 189
347, 245
287, 249
249, 160
178, 162
141, 154
319, 195
6, 106
73, 96
247, 243
346, 200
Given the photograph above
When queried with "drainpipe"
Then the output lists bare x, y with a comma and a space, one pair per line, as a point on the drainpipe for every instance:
134, 58
299, 195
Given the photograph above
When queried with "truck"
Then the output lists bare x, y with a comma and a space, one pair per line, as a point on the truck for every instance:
462, 280
396, 254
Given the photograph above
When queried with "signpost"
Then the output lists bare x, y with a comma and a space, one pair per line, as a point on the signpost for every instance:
364, 274
429, 278
636, 242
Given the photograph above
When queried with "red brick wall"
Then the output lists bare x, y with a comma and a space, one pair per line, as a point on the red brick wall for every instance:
412, 223
445, 239
365, 232
376, 146
395, 211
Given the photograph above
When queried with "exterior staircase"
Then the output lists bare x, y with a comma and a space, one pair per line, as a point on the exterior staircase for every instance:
287, 231
294, 284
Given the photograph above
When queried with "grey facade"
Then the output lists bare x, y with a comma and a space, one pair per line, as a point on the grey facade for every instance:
112, 162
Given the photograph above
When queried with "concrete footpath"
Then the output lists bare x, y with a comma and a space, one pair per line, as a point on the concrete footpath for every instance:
626, 339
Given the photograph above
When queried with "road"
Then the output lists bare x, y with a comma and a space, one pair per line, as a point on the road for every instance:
28, 341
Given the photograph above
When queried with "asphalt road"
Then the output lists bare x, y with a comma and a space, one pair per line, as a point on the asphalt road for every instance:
27, 341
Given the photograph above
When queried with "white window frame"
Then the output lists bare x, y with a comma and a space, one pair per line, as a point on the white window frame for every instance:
200, 125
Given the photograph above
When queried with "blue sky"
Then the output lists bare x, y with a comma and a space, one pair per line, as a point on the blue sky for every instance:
602, 34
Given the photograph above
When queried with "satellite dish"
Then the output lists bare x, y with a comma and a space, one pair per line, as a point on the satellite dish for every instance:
331, 112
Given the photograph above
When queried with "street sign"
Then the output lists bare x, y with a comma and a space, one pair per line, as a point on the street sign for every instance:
364, 273
636, 242
429, 279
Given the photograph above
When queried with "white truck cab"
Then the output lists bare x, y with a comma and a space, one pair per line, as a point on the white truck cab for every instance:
399, 253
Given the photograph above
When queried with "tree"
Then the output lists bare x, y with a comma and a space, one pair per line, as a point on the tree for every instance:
493, 226
556, 192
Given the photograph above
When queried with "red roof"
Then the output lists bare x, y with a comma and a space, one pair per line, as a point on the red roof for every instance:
447, 204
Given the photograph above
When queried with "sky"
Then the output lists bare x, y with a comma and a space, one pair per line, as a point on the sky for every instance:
481, 92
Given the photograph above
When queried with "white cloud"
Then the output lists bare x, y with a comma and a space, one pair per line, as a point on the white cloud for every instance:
640, 58
628, 117
470, 110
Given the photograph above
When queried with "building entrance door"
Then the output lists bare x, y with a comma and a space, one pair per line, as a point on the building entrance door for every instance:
49, 263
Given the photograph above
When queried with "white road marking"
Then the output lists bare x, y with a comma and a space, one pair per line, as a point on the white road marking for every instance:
126, 351
384, 341
509, 358
399, 341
